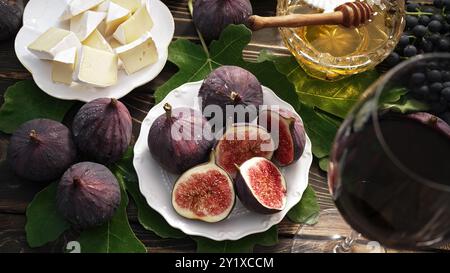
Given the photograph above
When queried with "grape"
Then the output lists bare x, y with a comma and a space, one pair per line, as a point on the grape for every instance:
446, 76
412, 7
410, 51
445, 28
424, 20
428, 10
419, 31
436, 87
446, 93
434, 75
422, 91
444, 45
417, 78
435, 26
426, 45
411, 21
392, 59
437, 17
404, 41
446, 84
434, 38
438, 3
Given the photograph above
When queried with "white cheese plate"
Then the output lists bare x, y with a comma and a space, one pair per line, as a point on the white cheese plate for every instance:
40, 15
156, 184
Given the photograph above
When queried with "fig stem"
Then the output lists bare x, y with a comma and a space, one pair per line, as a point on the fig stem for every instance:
235, 97
113, 101
168, 108
34, 136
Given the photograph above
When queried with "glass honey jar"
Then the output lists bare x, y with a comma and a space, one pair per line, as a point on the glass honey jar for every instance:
333, 52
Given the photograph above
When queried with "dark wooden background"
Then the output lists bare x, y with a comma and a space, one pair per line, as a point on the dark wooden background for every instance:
16, 194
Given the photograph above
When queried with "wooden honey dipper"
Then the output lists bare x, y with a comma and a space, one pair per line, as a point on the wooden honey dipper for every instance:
351, 14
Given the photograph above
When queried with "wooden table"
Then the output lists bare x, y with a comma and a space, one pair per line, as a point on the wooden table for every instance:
16, 194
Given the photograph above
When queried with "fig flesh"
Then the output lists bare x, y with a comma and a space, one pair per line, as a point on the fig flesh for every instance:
241, 142
287, 132
180, 139
234, 88
260, 186
88, 195
211, 17
102, 130
41, 150
204, 193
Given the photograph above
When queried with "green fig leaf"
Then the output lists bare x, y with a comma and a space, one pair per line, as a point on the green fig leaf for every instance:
307, 210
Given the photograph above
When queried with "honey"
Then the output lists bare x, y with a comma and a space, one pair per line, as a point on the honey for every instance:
333, 52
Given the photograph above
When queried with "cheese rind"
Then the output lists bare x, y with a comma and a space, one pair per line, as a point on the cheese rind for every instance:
116, 16
84, 24
103, 7
131, 5
52, 42
138, 55
97, 67
77, 7
96, 40
133, 28
63, 66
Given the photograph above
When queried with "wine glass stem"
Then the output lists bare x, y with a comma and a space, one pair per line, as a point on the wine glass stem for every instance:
345, 246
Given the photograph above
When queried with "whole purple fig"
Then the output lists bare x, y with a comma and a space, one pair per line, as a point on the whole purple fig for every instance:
88, 195
102, 130
180, 139
232, 86
41, 150
211, 17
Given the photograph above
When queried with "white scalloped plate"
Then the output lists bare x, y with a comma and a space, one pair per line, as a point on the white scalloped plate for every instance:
40, 15
156, 184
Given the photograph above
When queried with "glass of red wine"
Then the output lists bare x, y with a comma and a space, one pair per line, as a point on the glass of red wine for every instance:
389, 170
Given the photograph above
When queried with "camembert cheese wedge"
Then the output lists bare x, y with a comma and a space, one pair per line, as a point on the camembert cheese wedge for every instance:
131, 5
116, 16
138, 55
63, 66
97, 67
96, 40
133, 28
52, 42
84, 24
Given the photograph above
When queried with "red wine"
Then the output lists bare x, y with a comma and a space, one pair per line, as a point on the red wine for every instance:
384, 201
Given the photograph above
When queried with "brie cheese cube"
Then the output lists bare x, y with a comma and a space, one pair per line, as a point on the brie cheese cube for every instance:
97, 67
133, 28
63, 66
116, 16
138, 55
131, 5
96, 40
79, 6
84, 24
52, 42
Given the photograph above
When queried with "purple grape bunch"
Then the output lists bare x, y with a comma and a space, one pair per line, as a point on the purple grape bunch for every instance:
427, 30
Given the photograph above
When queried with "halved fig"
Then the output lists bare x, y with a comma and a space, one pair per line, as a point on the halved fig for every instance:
241, 142
260, 186
287, 132
204, 193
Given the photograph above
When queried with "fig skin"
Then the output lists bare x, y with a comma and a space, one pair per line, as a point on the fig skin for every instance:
102, 130
205, 168
245, 194
178, 154
236, 130
211, 17
232, 85
296, 135
11, 12
432, 121
41, 150
88, 195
